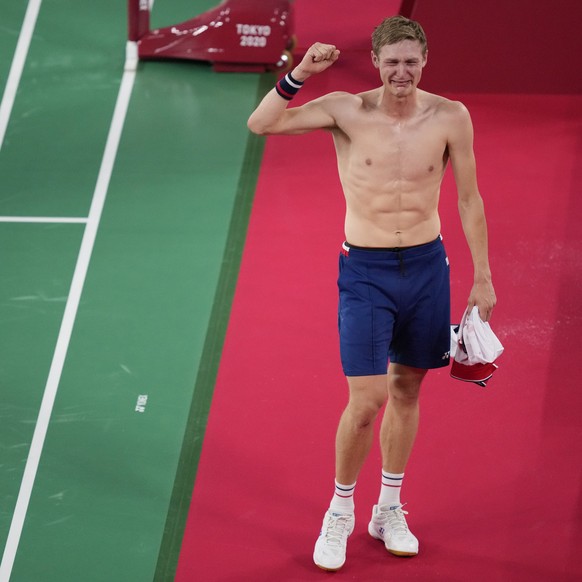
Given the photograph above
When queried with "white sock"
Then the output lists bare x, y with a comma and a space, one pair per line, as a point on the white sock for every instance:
343, 498
390, 490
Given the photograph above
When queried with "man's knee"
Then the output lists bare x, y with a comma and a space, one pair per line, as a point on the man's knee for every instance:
362, 414
368, 394
404, 383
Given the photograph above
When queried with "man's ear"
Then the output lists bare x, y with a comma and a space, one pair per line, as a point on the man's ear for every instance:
425, 58
375, 60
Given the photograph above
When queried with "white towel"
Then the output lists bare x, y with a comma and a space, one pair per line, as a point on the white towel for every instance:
474, 349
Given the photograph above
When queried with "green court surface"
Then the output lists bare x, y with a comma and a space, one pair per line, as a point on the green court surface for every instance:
110, 495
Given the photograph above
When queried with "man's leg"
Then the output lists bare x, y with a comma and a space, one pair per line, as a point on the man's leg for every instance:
355, 433
400, 422
397, 436
354, 437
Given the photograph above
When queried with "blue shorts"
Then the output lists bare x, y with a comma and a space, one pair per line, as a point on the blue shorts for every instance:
394, 304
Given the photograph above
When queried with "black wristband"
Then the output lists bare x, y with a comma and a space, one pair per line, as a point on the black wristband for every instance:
287, 87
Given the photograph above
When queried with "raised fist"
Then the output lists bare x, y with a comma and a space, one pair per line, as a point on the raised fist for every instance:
318, 58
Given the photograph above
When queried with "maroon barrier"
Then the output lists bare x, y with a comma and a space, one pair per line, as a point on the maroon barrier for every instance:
494, 46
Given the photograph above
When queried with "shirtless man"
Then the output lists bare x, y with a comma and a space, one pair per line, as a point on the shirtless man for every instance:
392, 145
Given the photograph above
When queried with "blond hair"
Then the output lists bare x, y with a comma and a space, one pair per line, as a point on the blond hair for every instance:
396, 29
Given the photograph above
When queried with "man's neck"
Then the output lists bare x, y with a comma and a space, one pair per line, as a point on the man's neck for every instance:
398, 107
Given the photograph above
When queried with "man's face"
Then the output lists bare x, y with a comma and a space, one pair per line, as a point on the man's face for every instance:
400, 66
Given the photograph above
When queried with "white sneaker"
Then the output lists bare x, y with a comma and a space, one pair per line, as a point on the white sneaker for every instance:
389, 525
330, 547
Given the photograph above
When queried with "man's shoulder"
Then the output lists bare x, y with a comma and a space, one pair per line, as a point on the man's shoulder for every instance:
444, 105
340, 103
451, 116
341, 96
363, 97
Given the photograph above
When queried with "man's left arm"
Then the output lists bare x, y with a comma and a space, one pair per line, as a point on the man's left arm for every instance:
471, 210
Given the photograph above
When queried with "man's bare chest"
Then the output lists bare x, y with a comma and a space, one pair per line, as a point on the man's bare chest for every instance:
410, 147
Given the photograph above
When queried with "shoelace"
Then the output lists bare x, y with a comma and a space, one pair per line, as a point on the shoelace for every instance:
335, 530
397, 521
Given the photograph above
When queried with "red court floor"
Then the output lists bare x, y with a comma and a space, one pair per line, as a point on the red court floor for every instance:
493, 487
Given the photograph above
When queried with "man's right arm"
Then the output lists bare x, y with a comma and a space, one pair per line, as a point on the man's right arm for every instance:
272, 115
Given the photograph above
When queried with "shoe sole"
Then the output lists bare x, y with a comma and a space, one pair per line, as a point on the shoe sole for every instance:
398, 553
328, 569
402, 554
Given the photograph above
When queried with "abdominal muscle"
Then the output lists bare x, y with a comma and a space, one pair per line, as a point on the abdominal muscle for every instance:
391, 216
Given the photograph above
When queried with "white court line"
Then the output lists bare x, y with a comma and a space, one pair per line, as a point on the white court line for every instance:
17, 65
65, 332
41, 219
